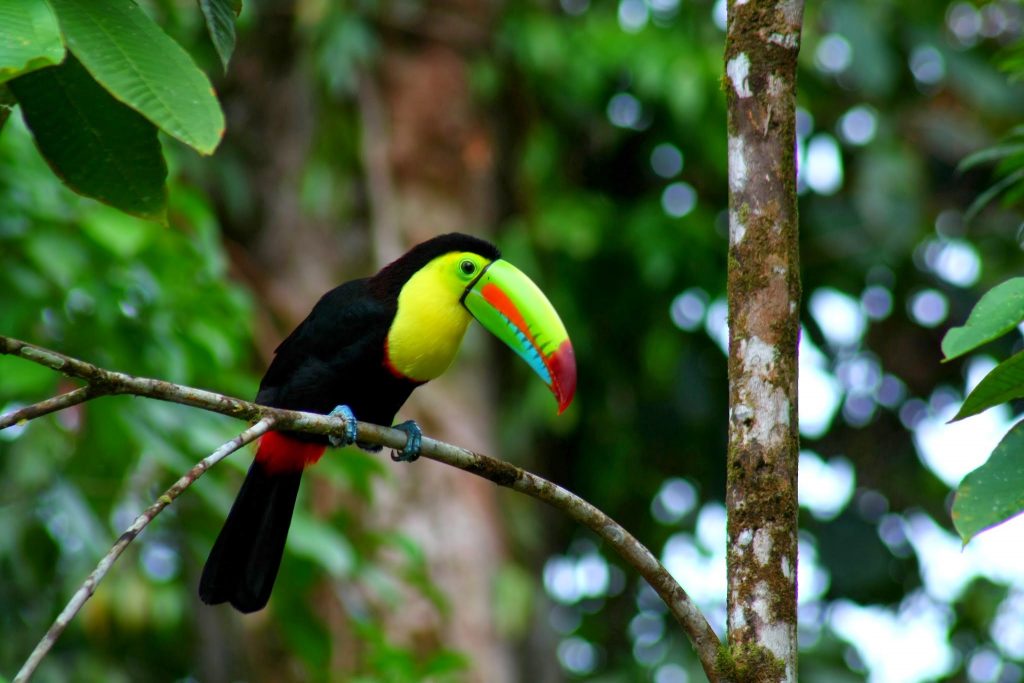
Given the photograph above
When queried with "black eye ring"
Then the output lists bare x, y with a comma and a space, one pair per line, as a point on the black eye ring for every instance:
468, 267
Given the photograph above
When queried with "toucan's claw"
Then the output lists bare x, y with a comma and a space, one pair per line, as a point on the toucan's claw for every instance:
345, 413
412, 444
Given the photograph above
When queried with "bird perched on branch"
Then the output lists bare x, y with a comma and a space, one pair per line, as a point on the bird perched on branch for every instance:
360, 353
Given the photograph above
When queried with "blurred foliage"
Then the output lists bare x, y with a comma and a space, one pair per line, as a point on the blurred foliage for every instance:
147, 300
1008, 152
610, 164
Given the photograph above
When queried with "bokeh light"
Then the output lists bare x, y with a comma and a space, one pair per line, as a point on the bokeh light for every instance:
678, 199
858, 125
666, 160
929, 307
834, 53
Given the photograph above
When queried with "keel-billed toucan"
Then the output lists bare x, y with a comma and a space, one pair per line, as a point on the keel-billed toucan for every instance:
364, 347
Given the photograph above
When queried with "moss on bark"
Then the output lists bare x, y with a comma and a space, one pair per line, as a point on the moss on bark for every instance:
764, 296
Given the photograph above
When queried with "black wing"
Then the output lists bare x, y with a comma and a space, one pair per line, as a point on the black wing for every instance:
331, 356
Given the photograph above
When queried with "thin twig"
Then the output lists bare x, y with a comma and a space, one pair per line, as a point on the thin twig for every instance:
87, 588
51, 405
689, 616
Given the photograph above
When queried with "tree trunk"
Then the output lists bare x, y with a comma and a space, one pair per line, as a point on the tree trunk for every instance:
429, 165
762, 44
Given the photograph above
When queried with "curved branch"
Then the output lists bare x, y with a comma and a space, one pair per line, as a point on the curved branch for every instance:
705, 641
88, 587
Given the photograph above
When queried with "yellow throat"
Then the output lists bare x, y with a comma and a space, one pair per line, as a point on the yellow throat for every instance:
430, 323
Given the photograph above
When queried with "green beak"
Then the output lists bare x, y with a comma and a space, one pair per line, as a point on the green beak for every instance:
512, 308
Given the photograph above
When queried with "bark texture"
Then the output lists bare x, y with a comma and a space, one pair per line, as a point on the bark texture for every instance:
762, 44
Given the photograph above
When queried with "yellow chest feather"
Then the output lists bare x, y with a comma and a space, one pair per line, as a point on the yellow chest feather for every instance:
428, 328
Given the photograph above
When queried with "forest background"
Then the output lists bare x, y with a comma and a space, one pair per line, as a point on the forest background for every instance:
589, 141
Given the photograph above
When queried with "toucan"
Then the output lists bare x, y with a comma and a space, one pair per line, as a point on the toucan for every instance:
361, 351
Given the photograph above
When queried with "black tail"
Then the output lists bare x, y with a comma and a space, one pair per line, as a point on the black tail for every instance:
245, 558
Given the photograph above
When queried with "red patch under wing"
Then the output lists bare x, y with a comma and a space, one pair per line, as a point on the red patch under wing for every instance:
280, 453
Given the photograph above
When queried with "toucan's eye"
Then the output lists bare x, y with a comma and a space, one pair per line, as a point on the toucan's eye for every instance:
467, 267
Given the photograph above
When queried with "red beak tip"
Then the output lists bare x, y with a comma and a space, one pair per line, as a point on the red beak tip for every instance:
562, 364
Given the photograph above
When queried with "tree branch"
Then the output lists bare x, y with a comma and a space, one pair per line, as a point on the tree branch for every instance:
50, 405
89, 586
689, 616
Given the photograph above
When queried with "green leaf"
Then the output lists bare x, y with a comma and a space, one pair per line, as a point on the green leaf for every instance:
990, 154
991, 193
998, 312
1004, 383
99, 147
142, 66
220, 22
29, 37
994, 492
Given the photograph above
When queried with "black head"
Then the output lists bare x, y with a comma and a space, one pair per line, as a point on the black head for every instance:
388, 282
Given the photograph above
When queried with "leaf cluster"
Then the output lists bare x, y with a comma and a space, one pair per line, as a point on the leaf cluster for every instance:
994, 492
96, 81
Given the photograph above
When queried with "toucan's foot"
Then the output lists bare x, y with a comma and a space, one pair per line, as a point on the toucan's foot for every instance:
350, 427
412, 444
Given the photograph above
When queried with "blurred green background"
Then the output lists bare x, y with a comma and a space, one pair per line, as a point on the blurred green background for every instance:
588, 140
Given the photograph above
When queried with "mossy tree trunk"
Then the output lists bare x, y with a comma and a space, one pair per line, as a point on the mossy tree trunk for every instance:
762, 44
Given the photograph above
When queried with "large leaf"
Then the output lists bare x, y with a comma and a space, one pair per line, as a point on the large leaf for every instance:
998, 312
98, 146
29, 37
220, 22
1004, 383
994, 492
143, 67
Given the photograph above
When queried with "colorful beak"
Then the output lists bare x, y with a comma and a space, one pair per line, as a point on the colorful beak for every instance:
514, 310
